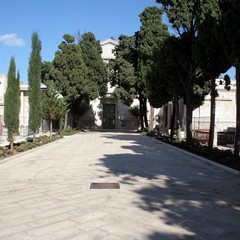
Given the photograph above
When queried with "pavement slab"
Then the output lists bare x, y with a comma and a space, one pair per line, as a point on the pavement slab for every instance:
165, 193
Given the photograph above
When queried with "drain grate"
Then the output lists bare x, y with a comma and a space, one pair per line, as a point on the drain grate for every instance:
105, 186
107, 142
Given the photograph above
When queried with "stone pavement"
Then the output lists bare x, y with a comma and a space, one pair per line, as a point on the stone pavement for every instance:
165, 194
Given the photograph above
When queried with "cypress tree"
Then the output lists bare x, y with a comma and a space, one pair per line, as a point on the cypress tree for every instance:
34, 91
69, 75
96, 68
12, 102
54, 106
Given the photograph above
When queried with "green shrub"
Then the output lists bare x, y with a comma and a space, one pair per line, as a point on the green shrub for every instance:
225, 157
42, 138
20, 149
9, 152
37, 144
69, 131
29, 146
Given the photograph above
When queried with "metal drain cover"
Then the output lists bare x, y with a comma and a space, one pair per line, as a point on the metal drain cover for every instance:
104, 186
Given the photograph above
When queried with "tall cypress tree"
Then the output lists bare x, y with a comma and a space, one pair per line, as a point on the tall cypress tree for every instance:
96, 68
150, 37
12, 102
34, 91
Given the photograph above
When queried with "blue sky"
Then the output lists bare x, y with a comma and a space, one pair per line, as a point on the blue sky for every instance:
54, 18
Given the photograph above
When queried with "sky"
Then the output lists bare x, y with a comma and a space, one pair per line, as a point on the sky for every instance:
54, 18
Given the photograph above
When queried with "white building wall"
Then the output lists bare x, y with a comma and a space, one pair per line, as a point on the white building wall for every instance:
225, 112
107, 49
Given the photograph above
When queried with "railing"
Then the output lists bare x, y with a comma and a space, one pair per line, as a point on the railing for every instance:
225, 138
201, 135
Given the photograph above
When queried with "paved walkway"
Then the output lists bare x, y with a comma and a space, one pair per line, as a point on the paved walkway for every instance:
164, 194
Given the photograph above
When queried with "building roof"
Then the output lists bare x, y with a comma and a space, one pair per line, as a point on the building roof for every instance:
108, 47
109, 41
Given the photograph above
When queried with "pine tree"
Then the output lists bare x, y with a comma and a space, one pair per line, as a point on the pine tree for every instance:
34, 80
12, 102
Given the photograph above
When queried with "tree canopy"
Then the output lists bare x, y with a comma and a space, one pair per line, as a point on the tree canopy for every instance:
69, 72
230, 38
123, 73
165, 82
132, 68
96, 68
12, 102
54, 107
186, 17
152, 39
34, 90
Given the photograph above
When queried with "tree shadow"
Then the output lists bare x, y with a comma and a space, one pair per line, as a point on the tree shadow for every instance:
200, 200
87, 120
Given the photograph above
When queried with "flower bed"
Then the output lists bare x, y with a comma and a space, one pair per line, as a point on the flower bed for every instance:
224, 157
28, 144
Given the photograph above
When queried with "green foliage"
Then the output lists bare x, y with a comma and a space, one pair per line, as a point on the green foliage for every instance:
69, 131
34, 80
123, 70
151, 37
201, 88
124, 74
224, 157
12, 102
42, 138
135, 57
20, 149
50, 102
46, 71
186, 17
213, 60
125, 96
69, 72
28, 145
229, 36
96, 68
54, 106
71, 76
167, 72
135, 111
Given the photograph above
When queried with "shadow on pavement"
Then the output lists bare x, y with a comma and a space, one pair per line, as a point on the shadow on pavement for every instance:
192, 196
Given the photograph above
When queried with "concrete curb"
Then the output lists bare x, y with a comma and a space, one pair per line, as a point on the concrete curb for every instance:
228, 169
